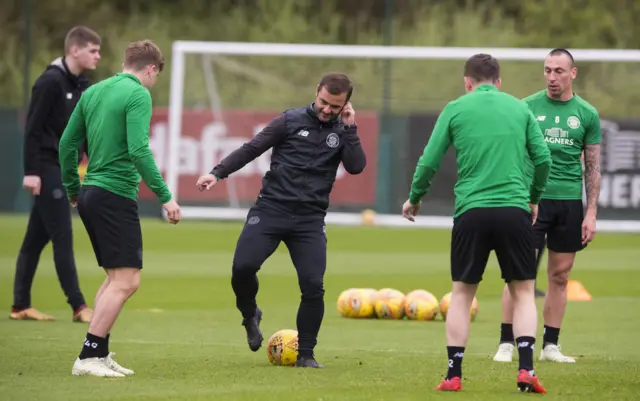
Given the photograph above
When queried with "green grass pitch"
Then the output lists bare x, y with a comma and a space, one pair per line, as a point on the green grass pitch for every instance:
182, 334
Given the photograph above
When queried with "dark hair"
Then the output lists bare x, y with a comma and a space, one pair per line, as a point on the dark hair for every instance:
557, 51
142, 53
81, 36
482, 67
336, 83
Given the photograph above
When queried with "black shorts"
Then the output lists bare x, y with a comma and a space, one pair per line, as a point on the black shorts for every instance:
113, 226
506, 230
561, 222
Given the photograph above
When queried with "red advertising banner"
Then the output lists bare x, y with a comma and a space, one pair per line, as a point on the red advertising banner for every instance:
206, 141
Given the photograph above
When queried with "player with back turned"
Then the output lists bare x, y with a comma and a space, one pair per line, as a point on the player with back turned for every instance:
495, 205
114, 118
309, 143
571, 128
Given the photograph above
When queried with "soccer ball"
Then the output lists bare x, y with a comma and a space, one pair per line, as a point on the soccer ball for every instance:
389, 304
421, 305
422, 294
344, 304
357, 303
282, 349
362, 303
446, 300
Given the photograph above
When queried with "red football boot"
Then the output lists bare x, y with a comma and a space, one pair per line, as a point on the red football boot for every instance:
452, 384
527, 383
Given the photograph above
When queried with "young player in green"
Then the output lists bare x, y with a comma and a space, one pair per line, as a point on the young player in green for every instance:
496, 203
571, 126
114, 116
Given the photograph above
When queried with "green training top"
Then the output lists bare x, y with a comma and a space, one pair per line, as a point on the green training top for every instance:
114, 116
493, 133
567, 127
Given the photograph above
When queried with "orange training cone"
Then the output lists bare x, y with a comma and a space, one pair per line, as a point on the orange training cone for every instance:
577, 292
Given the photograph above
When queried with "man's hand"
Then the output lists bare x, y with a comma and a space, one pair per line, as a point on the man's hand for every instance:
173, 211
348, 114
409, 211
588, 228
32, 183
534, 213
206, 182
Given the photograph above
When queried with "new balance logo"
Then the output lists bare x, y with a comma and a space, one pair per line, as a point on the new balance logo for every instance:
541, 118
304, 133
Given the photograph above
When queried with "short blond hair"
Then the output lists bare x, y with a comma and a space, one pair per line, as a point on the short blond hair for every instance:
81, 36
142, 53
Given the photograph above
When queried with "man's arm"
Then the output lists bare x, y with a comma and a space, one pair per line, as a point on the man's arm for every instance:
73, 136
138, 122
43, 95
353, 158
592, 165
540, 157
270, 135
432, 157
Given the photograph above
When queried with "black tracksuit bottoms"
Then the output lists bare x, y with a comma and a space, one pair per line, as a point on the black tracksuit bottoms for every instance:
304, 235
50, 220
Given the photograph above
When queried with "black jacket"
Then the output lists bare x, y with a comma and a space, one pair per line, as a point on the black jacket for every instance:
53, 97
305, 158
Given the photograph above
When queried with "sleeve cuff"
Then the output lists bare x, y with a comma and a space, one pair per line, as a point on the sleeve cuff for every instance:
216, 173
535, 198
414, 198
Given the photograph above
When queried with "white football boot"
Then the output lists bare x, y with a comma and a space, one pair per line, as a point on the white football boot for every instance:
93, 367
113, 365
505, 353
551, 352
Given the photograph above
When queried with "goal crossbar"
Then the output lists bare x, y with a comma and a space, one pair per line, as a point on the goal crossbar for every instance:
181, 48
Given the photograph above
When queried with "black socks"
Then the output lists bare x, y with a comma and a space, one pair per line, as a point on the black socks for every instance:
94, 347
551, 335
525, 352
506, 333
455, 355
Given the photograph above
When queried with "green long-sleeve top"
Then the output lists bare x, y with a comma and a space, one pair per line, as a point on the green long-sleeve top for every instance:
114, 117
493, 134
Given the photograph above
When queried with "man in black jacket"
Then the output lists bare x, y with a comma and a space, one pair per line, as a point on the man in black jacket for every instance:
53, 98
309, 143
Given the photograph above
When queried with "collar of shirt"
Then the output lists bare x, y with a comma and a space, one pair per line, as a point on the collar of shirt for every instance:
486, 88
130, 76
312, 112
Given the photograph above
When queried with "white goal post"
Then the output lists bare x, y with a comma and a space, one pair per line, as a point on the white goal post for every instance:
181, 49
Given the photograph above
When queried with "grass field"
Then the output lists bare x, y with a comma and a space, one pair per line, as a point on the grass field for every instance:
182, 333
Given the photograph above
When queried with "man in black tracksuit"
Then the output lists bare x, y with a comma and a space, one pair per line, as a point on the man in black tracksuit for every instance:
308, 144
54, 97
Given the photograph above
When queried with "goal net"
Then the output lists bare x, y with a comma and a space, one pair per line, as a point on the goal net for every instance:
223, 93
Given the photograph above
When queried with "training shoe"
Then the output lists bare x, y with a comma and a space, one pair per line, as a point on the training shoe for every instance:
453, 384
505, 353
82, 315
115, 366
551, 352
93, 367
308, 362
30, 314
254, 335
528, 383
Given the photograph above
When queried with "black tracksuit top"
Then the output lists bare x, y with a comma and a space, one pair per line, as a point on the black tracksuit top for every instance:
54, 96
305, 158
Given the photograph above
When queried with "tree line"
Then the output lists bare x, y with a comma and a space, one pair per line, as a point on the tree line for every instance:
275, 82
